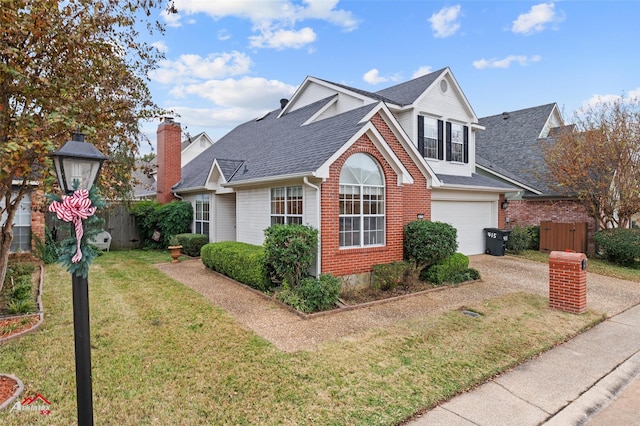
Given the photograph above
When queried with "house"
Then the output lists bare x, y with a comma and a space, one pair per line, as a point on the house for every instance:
28, 220
353, 164
510, 150
145, 172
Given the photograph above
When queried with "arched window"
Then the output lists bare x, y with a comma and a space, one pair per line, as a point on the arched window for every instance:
361, 202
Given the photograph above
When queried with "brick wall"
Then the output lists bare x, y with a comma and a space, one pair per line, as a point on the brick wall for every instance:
38, 206
531, 212
403, 204
567, 282
169, 159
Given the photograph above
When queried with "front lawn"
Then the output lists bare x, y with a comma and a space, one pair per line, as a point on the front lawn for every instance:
162, 354
595, 265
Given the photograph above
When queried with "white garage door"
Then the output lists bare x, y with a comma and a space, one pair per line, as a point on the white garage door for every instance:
469, 218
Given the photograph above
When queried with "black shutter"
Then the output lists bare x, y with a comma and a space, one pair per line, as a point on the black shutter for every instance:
440, 140
421, 135
466, 143
448, 141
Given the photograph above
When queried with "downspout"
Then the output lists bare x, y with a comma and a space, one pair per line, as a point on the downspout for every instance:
317, 188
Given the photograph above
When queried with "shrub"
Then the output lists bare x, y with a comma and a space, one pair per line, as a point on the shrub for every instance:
320, 294
289, 252
388, 275
466, 275
621, 246
290, 297
239, 261
192, 243
170, 219
518, 240
427, 243
534, 237
21, 306
46, 251
444, 270
21, 291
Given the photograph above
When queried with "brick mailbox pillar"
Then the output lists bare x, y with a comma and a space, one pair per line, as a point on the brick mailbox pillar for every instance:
568, 281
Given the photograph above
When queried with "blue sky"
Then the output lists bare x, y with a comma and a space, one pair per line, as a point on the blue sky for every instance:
229, 61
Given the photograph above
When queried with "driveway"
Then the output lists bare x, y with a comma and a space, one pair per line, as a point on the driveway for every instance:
290, 332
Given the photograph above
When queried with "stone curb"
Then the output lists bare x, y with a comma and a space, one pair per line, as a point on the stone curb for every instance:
17, 393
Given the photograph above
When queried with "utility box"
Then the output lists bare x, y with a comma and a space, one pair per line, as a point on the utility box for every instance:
496, 241
568, 281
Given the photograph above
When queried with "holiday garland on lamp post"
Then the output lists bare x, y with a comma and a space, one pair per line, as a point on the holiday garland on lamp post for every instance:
78, 209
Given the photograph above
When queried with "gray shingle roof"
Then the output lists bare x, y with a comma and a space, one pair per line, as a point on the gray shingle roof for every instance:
406, 93
510, 145
474, 180
275, 146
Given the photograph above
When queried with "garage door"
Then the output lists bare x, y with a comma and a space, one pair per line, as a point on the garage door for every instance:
469, 218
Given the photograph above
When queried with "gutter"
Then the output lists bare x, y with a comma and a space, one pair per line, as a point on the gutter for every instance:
319, 255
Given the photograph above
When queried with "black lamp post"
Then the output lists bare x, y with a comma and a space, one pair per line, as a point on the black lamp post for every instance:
77, 165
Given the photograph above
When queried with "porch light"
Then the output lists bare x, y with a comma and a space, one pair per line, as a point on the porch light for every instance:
504, 204
77, 164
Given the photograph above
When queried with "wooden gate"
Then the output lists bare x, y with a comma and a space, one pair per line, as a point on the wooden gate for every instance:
118, 221
563, 236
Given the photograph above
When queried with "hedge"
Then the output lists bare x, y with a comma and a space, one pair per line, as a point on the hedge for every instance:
240, 261
192, 243
621, 246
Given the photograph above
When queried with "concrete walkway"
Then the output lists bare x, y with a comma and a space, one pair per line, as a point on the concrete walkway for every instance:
567, 385
598, 370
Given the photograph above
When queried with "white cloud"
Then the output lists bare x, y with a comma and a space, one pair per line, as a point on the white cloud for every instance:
281, 39
373, 77
171, 19
445, 22
536, 19
633, 95
505, 62
273, 20
223, 35
161, 46
250, 93
423, 70
189, 68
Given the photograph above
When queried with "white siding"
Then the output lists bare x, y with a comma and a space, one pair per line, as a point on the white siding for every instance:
253, 212
468, 212
314, 92
310, 209
224, 210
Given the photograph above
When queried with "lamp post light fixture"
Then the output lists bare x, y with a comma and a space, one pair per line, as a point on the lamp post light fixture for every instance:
77, 166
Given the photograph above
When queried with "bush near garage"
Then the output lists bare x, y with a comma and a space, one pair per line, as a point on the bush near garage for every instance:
427, 242
621, 246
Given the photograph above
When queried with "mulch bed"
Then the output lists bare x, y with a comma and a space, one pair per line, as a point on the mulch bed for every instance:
15, 325
8, 387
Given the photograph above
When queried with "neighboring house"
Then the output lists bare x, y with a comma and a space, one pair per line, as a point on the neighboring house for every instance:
145, 172
510, 150
355, 165
27, 222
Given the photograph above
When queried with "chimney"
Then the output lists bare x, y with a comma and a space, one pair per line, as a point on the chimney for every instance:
169, 158
505, 115
283, 103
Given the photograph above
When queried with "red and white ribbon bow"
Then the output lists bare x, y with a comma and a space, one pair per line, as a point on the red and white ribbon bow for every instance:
74, 208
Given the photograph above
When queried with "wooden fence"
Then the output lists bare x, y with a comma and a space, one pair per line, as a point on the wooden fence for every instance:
563, 236
118, 221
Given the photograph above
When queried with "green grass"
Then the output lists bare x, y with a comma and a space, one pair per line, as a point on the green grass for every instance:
597, 266
162, 354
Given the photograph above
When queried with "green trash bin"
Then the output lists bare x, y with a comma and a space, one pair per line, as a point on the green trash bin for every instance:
496, 241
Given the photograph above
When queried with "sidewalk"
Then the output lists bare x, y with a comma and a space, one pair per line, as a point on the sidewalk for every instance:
592, 379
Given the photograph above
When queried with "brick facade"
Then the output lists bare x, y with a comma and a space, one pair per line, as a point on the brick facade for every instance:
38, 204
567, 282
169, 139
403, 204
532, 212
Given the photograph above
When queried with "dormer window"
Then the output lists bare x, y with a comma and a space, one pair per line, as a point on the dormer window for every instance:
457, 143
430, 137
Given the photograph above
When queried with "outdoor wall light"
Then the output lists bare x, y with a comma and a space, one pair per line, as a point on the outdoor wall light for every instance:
504, 204
420, 215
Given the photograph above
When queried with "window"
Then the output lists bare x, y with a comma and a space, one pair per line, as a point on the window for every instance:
361, 202
21, 225
202, 214
430, 132
457, 143
286, 205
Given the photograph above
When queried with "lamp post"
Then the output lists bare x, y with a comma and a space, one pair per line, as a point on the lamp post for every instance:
77, 166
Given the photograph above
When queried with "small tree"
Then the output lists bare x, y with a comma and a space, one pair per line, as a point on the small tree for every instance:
426, 242
600, 161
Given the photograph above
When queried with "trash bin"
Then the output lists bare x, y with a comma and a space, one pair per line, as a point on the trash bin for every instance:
496, 241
